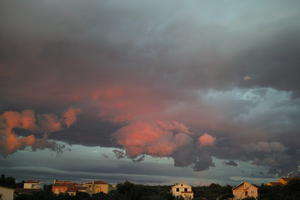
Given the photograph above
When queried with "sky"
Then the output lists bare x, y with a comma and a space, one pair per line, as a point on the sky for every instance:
153, 92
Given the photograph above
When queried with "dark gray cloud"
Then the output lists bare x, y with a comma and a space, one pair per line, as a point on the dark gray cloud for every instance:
231, 163
229, 69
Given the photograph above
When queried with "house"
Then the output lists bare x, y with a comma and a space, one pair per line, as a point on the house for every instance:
273, 184
244, 190
97, 186
285, 181
182, 190
32, 185
64, 187
6, 193
282, 181
72, 188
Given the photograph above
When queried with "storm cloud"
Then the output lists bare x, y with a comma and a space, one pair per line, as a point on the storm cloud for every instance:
187, 80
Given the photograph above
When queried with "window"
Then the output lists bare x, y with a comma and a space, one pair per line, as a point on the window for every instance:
246, 193
177, 189
185, 189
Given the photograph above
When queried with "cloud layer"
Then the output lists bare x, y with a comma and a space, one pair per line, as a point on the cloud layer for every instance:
26, 120
160, 78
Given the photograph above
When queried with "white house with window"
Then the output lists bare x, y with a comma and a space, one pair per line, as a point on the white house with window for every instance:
244, 190
182, 190
32, 185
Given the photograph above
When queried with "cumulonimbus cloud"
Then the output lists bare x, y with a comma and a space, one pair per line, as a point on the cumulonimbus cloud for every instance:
206, 140
158, 138
28, 120
158, 67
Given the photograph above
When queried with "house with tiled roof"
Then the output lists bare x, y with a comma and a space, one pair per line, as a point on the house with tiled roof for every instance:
32, 185
282, 181
97, 186
72, 188
65, 187
273, 184
244, 190
182, 190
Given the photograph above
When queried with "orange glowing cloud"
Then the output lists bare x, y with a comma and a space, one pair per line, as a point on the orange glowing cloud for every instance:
24, 119
206, 140
50, 123
126, 103
13, 143
70, 116
153, 138
27, 119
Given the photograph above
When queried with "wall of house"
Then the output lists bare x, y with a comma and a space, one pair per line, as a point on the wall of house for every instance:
282, 181
59, 189
32, 186
6, 193
179, 189
96, 188
101, 188
244, 191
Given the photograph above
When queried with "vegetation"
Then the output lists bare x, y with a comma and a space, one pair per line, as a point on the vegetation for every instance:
291, 191
124, 191
9, 182
212, 192
130, 191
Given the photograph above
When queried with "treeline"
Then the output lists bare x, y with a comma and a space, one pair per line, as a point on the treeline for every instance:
130, 191
10, 182
212, 192
124, 191
291, 191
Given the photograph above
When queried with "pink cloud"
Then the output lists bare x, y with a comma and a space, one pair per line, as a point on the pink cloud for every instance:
50, 123
13, 143
27, 119
152, 138
206, 140
70, 116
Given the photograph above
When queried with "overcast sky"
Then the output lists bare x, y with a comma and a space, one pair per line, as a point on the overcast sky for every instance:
150, 91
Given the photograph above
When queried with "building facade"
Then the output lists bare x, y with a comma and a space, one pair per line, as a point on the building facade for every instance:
282, 181
65, 187
72, 188
32, 185
6, 193
245, 190
97, 186
182, 190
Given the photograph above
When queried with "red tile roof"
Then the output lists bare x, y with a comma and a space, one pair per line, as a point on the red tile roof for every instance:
273, 183
97, 182
241, 185
32, 181
289, 179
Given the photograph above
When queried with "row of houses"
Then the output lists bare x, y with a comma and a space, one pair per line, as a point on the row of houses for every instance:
58, 187
179, 190
72, 188
239, 192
